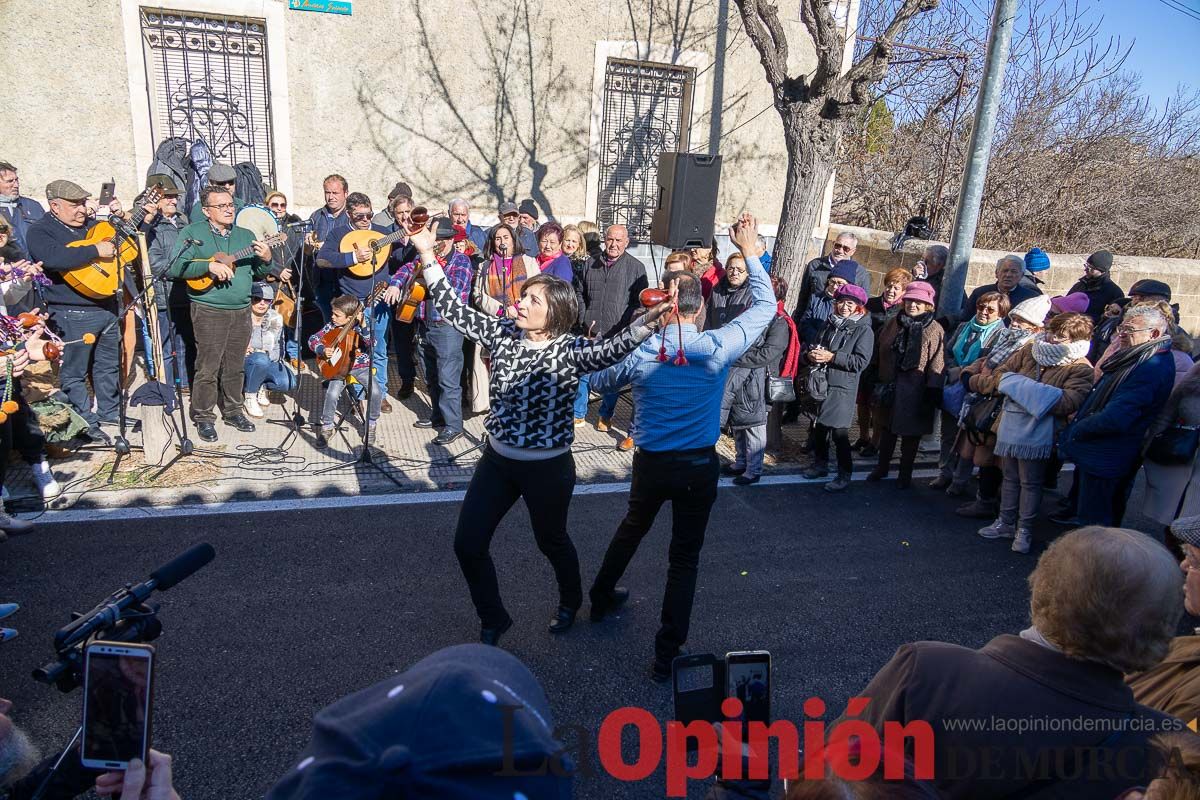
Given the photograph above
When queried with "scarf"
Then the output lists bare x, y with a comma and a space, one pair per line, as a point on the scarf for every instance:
543, 259
9, 200
791, 359
504, 279
1058, 355
1026, 427
1121, 366
1005, 343
910, 340
971, 339
1032, 634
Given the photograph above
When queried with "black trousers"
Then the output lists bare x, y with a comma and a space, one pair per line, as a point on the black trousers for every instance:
687, 478
404, 348
21, 432
546, 486
841, 443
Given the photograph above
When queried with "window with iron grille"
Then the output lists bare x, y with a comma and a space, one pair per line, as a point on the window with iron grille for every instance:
208, 79
647, 111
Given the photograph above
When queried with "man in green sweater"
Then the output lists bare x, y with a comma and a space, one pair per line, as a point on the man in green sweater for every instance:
221, 312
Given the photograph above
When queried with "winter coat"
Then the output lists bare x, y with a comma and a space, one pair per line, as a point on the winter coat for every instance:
879, 316
1173, 686
852, 344
1108, 443
812, 321
1174, 491
1100, 296
726, 302
20, 214
610, 294
912, 412
1014, 678
1075, 379
745, 402
163, 241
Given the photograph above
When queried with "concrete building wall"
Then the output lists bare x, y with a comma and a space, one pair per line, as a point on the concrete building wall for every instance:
1181, 274
456, 98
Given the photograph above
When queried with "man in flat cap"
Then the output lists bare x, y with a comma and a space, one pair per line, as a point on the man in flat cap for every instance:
74, 313
224, 177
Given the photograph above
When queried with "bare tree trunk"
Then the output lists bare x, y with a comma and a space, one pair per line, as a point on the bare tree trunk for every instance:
809, 168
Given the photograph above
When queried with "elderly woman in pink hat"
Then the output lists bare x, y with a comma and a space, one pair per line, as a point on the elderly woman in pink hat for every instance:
911, 365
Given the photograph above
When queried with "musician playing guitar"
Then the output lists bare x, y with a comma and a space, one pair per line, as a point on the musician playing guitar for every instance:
371, 269
342, 346
75, 314
221, 313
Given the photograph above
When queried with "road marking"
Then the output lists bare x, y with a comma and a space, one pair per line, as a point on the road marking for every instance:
362, 501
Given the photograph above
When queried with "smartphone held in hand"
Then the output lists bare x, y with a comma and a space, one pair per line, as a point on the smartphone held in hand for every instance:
117, 704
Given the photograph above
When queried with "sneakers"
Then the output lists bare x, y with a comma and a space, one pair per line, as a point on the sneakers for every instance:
997, 530
840, 483
602, 424
1022, 542
264, 397
13, 526
44, 479
252, 407
580, 422
979, 509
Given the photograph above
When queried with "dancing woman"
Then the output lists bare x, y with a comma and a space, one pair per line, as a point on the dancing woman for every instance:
535, 372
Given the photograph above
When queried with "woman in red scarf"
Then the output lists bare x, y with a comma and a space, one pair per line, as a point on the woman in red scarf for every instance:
550, 258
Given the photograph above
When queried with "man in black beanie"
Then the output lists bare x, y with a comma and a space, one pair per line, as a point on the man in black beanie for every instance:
1097, 285
527, 225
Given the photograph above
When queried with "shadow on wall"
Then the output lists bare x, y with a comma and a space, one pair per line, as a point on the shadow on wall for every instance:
493, 138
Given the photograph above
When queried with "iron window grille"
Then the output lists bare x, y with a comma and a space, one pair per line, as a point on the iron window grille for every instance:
647, 111
208, 79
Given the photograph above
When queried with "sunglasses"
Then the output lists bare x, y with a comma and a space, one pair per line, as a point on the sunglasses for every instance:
366, 215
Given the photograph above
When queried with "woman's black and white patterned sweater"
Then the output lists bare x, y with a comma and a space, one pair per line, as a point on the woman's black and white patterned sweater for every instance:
532, 384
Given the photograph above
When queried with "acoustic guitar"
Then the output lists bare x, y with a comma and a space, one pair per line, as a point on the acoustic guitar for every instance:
411, 298
100, 279
380, 244
341, 342
205, 282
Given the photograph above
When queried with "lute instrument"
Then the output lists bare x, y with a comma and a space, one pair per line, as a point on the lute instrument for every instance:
101, 278
379, 244
341, 342
206, 281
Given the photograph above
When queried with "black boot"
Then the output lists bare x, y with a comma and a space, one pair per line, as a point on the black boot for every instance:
887, 448
908, 457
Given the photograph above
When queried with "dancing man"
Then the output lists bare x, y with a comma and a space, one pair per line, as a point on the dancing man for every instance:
535, 372
677, 410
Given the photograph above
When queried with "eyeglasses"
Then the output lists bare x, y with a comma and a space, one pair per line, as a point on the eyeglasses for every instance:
1125, 329
365, 215
222, 206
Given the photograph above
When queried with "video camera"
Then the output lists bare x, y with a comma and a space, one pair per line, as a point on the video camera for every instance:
123, 616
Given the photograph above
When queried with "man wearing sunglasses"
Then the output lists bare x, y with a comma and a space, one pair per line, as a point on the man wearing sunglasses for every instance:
358, 217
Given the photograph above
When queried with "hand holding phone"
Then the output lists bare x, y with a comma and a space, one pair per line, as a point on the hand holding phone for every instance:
117, 704
108, 191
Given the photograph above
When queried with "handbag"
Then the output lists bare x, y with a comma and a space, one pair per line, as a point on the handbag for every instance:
1174, 446
953, 397
979, 415
780, 389
812, 386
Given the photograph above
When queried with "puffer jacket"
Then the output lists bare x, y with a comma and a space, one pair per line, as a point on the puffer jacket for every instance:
610, 294
1075, 379
745, 402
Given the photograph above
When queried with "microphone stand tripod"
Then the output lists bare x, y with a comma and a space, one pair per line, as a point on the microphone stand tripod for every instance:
296, 421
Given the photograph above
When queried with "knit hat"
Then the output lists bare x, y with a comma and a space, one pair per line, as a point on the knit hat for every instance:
1074, 303
1101, 260
1036, 260
1033, 310
1187, 530
528, 207
852, 291
221, 173
920, 290
846, 269
401, 189
1150, 286
443, 728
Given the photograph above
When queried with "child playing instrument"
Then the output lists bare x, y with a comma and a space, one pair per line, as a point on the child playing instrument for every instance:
356, 343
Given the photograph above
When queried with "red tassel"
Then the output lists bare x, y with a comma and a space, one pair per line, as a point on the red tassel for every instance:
680, 358
662, 348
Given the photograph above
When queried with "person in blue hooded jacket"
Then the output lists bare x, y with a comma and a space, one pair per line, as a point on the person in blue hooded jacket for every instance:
1105, 439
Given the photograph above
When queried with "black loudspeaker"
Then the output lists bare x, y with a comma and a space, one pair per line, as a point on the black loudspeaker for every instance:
687, 200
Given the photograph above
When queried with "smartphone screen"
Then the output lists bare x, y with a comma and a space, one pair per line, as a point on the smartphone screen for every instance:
116, 704
748, 678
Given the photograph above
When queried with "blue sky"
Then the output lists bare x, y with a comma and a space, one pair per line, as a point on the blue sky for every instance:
1166, 42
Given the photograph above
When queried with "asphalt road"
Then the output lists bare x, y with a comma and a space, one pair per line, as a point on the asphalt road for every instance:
301, 608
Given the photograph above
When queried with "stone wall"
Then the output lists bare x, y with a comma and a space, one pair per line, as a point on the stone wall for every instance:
1181, 274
